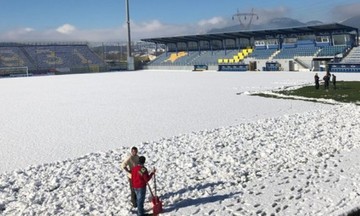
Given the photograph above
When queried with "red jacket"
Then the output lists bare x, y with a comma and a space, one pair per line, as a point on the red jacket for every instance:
140, 176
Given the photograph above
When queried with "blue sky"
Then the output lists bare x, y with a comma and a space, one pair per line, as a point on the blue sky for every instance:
96, 20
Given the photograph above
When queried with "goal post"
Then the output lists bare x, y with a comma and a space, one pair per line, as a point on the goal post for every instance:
14, 71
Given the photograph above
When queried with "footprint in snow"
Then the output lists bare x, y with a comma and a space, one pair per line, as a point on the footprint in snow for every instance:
196, 211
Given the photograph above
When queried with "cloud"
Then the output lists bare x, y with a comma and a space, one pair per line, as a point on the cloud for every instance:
215, 21
17, 33
205, 25
66, 29
342, 12
155, 28
28, 29
139, 30
266, 14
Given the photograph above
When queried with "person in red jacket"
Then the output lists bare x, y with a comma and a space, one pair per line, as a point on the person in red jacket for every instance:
139, 178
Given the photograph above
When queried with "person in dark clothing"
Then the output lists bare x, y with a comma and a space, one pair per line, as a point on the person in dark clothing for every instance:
328, 73
317, 84
327, 78
334, 81
326, 81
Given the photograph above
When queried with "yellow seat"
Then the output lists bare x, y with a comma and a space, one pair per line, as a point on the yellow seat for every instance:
174, 56
231, 60
220, 60
245, 53
226, 60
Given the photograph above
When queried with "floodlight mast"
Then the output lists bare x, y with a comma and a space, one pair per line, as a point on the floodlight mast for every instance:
244, 16
128, 28
130, 59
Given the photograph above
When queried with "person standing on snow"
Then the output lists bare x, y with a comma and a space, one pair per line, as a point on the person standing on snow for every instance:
127, 165
334, 80
139, 178
317, 84
326, 81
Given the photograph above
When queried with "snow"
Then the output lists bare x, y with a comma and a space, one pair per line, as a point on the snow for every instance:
218, 150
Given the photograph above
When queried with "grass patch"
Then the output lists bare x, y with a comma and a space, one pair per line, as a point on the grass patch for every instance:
346, 91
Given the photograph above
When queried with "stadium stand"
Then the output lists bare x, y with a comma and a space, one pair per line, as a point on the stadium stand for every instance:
349, 64
50, 58
159, 59
11, 56
207, 57
238, 56
62, 56
293, 49
353, 57
333, 50
260, 53
290, 53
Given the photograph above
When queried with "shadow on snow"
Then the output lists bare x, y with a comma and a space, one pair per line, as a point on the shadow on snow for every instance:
196, 201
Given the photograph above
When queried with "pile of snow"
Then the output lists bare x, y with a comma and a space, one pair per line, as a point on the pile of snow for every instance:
291, 164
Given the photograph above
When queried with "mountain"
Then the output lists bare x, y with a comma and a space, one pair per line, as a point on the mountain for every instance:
275, 23
282, 22
353, 22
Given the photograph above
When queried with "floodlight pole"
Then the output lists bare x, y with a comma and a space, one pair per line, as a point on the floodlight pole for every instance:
130, 59
128, 28
244, 16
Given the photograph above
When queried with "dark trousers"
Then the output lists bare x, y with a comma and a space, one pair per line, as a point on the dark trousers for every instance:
133, 195
326, 84
317, 85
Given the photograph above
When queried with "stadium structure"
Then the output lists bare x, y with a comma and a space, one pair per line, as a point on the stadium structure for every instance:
333, 47
48, 58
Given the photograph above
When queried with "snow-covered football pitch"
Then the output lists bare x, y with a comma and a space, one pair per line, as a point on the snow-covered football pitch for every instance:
217, 152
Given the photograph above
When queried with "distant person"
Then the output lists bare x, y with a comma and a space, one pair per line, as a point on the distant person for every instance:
129, 163
334, 81
139, 178
328, 72
326, 79
317, 84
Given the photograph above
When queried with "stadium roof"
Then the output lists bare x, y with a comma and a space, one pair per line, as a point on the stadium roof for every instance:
325, 28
